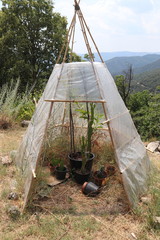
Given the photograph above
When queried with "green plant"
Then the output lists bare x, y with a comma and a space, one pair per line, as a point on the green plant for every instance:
55, 161
92, 123
101, 173
26, 110
13, 106
61, 164
86, 143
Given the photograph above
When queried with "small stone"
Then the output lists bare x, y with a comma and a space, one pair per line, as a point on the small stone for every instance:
6, 160
156, 221
25, 123
14, 212
153, 146
13, 196
146, 200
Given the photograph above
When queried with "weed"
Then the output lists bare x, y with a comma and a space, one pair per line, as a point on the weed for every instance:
3, 170
4, 194
13, 106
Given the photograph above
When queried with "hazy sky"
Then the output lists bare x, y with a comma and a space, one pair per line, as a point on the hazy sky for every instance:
117, 25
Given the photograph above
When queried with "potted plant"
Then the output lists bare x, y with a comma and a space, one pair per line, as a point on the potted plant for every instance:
100, 177
82, 161
60, 170
82, 175
76, 157
53, 163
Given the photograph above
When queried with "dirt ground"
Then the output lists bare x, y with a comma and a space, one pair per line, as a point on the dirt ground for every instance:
63, 212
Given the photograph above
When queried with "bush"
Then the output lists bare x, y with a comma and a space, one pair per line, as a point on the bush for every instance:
14, 107
145, 111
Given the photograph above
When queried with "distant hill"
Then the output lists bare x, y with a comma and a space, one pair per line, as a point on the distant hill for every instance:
148, 67
109, 55
146, 81
139, 63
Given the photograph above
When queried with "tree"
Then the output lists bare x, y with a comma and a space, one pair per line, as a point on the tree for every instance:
145, 111
31, 36
88, 57
123, 83
74, 57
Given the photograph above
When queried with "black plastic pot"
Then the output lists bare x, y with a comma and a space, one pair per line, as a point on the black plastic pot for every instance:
60, 173
90, 189
76, 161
80, 177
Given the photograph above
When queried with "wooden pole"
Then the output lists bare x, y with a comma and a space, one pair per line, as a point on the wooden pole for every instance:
76, 101
92, 38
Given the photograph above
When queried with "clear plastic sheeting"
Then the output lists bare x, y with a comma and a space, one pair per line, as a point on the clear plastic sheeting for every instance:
87, 82
78, 82
131, 154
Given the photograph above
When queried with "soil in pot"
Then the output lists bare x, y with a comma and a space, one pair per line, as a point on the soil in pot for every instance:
76, 161
81, 177
100, 178
60, 173
110, 170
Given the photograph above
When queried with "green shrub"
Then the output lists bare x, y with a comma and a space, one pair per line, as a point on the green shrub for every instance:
26, 111
13, 106
145, 111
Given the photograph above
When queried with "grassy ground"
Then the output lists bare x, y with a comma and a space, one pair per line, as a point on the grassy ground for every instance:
70, 217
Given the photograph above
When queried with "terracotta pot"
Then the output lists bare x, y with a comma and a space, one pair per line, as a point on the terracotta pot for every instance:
110, 170
100, 181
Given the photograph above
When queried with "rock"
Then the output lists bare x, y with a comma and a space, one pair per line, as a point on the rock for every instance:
13, 196
25, 123
156, 221
153, 146
14, 212
6, 160
146, 200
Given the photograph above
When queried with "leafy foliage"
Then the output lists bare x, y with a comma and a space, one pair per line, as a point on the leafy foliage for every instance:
146, 81
145, 110
14, 107
31, 36
123, 83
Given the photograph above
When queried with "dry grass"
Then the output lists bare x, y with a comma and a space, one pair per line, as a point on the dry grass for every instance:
65, 213
10, 139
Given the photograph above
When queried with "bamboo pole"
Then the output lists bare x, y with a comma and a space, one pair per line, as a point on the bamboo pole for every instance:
75, 101
58, 59
92, 38
80, 15
73, 40
85, 36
